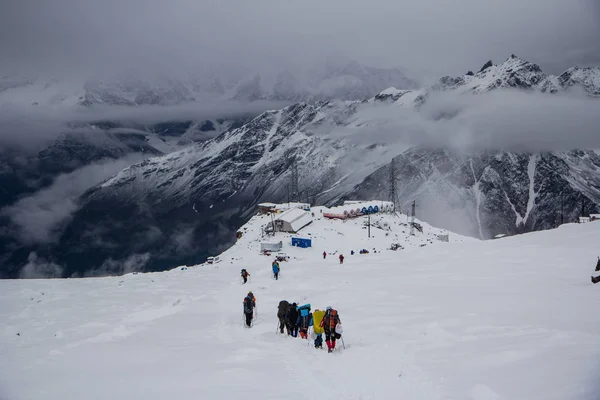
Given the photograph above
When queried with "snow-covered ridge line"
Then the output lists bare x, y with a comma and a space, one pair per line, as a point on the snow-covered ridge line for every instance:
336, 236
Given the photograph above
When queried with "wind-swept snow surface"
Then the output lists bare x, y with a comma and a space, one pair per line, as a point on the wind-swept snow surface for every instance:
514, 318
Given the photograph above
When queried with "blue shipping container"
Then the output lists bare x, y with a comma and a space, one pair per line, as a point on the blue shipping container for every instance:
300, 242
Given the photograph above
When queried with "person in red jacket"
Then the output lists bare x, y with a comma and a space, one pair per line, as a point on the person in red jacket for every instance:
341, 258
329, 323
324, 255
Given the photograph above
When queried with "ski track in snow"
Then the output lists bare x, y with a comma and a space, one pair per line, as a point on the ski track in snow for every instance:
477, 194
531, 173
470, 319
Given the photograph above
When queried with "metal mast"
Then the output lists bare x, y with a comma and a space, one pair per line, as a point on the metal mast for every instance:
412, 218
393, 194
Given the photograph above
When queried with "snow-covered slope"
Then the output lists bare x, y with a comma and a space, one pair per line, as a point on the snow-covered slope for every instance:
505, 319
188, 196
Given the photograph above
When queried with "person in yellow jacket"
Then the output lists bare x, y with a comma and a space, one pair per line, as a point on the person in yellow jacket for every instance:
317, 317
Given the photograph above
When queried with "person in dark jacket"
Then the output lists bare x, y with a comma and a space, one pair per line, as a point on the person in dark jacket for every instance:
249, 304
245, 274
597, 278
292, 320
282, 310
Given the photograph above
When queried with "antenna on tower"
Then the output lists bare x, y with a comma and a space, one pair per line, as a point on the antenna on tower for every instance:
412, 217
295, 191
393, 194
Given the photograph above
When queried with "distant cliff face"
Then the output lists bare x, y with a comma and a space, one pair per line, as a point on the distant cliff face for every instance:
488, 194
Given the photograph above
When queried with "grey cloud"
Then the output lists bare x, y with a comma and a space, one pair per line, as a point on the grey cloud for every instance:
435, 37
500, 120
39, 217
31, 126
39, 268
133, 263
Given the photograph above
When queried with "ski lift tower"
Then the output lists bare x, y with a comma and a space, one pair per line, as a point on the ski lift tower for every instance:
393, 190
412, 218
295, 189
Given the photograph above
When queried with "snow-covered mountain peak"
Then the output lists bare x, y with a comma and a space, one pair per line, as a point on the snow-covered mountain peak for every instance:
391, 94
588, 77
514, 72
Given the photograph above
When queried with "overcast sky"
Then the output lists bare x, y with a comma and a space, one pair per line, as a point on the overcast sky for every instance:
428, 37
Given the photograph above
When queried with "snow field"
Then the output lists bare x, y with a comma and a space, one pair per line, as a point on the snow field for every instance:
505, 319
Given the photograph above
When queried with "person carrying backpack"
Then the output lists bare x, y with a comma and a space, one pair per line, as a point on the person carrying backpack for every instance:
341, 258
329, 323
316, 324
303, 320
245, 274
275, 269
282, 310
249, 304
291, 319
324, 255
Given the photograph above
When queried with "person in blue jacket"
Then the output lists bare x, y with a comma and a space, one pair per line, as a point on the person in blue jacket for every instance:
304, 320
276, 269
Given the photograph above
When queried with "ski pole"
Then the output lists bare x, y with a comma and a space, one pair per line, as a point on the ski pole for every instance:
343, 344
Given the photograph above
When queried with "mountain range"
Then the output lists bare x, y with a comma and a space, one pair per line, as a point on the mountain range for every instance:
181, 207
350, 81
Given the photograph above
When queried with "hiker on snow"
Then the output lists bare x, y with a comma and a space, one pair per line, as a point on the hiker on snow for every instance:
329, 324
597, 278
324, 255
249, 305
245, 274
315, 322
275, 269
304, 318
292, 320
282, 311
341, 258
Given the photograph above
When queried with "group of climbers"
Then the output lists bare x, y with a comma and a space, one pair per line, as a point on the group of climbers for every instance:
275, 265
296, 319
341, 257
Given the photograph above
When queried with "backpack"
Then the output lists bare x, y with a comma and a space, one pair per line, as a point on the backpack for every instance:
284, 305
248, 305
330, 321
244, 273
318, 316
305, 320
